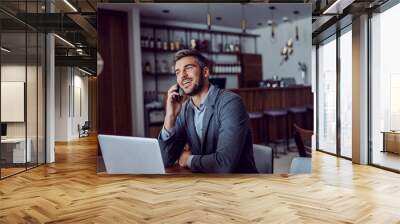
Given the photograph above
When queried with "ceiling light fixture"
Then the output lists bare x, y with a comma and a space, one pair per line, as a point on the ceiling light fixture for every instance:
208, 17
295, 12
65, 41
5, 50
337, 7
243, 22
84, 71
70, 5
272, 22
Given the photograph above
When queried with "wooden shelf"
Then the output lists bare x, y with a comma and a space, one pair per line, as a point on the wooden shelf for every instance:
224, 73
158, 50
159, 74
166, 27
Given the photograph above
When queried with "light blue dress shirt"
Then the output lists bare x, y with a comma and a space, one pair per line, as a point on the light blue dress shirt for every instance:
198, 122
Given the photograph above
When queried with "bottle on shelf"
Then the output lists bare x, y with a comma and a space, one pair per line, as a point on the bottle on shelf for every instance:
151, 42
147, 67
177, 44
165, 46
231, 47
158, 45
227, 48
146, 42
172, 46
237, 46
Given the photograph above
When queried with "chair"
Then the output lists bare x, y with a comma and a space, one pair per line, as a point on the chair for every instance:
276, 129
296, 115
300, 165
263, 158
256, 126
84, 130
302, 137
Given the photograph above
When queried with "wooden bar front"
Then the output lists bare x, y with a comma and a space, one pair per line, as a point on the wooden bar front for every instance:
260, 99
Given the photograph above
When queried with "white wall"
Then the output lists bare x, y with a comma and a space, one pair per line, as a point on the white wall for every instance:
71, 86
271, 50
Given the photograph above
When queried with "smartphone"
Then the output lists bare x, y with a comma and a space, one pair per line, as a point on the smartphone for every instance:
180, 91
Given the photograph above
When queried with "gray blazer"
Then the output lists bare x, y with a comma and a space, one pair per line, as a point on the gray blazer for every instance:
227, 146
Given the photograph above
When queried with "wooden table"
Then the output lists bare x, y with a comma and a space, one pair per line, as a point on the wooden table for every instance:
176, 169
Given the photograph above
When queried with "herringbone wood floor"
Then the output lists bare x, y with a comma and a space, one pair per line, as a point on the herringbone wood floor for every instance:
70, 191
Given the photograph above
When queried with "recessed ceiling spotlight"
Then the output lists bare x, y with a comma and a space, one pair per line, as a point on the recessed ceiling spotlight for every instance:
259, 24
285, 19
5, 49
219, 18
166, 11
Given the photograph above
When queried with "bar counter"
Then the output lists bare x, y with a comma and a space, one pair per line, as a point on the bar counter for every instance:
260, 99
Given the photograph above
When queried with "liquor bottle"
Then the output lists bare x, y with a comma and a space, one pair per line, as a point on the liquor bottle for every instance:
146, 42
158, 43
165, 46
151, 42
177, 44
147, 67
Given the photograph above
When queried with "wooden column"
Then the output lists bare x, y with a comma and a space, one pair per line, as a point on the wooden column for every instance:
113, 84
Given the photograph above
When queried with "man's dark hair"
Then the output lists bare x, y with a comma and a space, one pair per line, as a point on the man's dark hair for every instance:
201, 60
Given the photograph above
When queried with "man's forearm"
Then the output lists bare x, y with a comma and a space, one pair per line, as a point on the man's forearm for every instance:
169, 121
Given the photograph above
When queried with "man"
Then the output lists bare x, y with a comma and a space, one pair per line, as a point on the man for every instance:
213, 122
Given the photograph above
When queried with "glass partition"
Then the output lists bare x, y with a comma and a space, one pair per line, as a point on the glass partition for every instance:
22, 88
346, 92
385, 89
14, 143
327, 96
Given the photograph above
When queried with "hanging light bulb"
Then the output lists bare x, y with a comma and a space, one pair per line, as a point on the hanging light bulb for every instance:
208, 17
243, 22
297, 28
272, 22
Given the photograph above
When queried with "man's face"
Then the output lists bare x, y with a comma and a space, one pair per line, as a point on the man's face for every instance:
189, 75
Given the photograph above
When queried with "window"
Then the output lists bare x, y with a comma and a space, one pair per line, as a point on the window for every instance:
327, 96
346, 92
385, 88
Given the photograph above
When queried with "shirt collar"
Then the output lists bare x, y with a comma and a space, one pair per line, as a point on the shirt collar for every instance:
204, 101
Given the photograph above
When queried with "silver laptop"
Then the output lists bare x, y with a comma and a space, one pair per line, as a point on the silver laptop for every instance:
131, 155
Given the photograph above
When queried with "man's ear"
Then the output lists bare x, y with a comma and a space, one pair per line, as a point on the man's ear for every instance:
206, 72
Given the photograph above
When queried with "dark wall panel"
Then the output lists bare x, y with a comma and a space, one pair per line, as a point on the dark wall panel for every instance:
114, 97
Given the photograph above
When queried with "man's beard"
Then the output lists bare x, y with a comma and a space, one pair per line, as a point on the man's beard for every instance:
197, 87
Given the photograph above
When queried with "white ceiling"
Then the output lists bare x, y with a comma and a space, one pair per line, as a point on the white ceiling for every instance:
231, 13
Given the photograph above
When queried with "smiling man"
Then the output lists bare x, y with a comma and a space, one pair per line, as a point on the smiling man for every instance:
213, 122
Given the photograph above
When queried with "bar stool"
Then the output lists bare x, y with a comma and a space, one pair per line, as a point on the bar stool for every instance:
297, 115
256, 126
276, 128
310, 117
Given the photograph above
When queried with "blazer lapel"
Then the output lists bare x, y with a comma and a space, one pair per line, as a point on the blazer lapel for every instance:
212, 97
192, 130
207, 118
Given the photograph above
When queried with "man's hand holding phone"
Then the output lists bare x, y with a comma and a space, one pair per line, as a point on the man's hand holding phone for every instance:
173, 105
